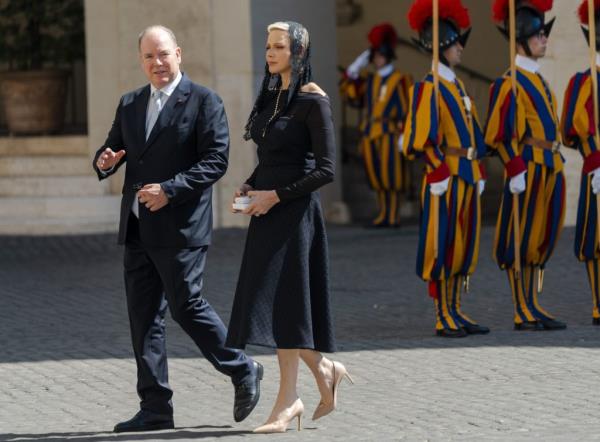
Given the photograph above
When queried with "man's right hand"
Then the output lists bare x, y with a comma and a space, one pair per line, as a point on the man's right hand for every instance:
109, 158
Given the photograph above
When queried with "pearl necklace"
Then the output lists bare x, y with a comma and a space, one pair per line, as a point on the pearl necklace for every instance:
274, 113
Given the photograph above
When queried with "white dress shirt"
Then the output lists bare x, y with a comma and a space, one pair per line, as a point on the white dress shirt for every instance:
167, 90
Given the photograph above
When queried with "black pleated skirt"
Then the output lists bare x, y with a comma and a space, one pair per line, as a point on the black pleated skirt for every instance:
282, 297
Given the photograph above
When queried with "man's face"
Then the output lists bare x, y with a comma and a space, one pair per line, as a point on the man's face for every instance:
454, 54
379, 60
538, 44
159, 57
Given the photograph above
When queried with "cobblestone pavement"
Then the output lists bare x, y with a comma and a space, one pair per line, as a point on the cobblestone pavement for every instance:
67, 372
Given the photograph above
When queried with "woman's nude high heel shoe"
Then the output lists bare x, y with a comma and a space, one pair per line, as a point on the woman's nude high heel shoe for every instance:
339, 373
281, 424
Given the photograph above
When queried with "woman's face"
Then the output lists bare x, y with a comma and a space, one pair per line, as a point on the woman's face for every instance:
278, 51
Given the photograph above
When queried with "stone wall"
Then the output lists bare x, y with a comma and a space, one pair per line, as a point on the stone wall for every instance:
216, 52
221, 42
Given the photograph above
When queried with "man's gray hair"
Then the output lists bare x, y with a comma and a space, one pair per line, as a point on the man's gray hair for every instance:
155, 27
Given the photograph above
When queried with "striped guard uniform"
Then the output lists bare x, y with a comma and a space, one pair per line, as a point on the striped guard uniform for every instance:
445, 142
577, 128
525, 133
384, 99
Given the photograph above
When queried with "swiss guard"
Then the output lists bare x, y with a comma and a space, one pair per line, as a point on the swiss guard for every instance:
525, 133
383, 94
579, 131
444, 129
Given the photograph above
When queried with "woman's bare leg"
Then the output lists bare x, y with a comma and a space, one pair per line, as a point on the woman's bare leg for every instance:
322, 370
287, 405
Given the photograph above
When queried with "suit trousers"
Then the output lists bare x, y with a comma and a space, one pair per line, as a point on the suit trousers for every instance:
157, 278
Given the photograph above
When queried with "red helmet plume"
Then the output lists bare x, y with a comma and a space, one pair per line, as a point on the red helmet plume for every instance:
453, 10
500, 7
583, 11
383, 33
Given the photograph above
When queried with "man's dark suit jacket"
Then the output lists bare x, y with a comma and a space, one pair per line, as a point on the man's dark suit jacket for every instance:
186, 153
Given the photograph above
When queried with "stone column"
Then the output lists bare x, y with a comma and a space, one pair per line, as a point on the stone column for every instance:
103, 88
232, 78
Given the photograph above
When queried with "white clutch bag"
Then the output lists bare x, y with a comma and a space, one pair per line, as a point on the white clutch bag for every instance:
241, 202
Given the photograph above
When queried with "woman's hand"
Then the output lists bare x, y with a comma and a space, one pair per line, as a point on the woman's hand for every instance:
242, 191
262, 202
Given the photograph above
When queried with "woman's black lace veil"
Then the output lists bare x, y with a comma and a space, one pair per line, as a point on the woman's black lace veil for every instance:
301, 73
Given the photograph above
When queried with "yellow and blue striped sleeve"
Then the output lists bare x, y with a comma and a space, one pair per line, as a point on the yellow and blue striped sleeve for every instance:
505, 126
353, 90
577, 121
421, 133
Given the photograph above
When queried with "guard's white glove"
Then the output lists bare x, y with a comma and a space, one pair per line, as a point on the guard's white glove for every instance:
440, 187
401, 143
517, 183
595, 180
361, 62
481, 186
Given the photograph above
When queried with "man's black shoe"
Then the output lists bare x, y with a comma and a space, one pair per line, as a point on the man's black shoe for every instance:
247, 394
529, 326
476, 329
552, 324
596, 321
451, 333
146, 421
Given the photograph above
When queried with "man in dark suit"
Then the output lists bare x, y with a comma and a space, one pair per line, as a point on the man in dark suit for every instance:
173, 136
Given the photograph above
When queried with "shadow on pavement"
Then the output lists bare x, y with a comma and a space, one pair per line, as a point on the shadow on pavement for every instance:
199, 432
63, 298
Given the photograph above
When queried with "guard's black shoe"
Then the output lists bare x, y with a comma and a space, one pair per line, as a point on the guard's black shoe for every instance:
529, 326
552, 324
374, 225
451, 333
596, 321
247, 394
476, 329
146, 421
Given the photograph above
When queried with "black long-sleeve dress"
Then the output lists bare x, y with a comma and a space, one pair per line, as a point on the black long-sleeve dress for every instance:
282, 295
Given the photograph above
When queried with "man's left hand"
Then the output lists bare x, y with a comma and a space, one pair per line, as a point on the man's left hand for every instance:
153, 197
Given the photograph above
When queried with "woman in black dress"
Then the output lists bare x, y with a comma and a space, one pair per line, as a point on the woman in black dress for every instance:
282, 296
